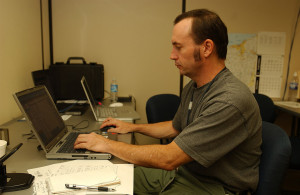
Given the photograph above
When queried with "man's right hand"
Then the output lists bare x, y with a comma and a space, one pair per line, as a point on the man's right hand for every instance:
120, 126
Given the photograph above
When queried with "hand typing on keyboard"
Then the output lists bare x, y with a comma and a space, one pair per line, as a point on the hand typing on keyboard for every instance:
93, 142
68, 145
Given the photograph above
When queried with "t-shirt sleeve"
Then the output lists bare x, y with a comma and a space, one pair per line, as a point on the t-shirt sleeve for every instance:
217, 131
176, 122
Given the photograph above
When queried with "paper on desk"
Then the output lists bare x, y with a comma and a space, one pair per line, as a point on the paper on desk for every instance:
125, 174
64, 117
42, 174
86, 178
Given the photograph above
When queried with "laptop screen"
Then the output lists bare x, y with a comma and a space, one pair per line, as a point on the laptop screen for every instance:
42, 113
88, 92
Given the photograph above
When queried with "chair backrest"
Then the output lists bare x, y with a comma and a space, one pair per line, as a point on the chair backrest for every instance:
162, 107
295, 157
266, 106
276, 151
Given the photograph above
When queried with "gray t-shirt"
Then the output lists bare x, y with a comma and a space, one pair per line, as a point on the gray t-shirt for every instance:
223, 134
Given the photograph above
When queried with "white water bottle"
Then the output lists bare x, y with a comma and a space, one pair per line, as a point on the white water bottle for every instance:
114, 90
293, 88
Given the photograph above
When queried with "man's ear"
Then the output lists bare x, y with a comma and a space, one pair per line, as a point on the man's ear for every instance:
208, 47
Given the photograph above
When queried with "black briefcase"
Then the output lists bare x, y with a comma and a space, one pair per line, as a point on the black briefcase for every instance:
65, 79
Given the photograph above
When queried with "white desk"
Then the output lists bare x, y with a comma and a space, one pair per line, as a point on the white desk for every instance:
28, 156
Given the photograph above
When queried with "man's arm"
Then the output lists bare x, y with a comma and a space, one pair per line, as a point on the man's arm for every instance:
156, 130
166, 157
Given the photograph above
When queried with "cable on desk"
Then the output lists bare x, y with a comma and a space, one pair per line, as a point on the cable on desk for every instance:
30, 135
290, 54
134, 101
75, 127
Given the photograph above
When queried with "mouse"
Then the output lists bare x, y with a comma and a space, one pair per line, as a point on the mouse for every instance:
104, 130
116, 104
107, 127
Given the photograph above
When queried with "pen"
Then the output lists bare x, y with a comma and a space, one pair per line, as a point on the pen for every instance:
103, 189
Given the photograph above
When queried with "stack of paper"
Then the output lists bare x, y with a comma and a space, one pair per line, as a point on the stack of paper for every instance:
52, 179
86, 178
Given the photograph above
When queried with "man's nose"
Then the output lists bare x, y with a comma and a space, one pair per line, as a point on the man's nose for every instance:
173, 56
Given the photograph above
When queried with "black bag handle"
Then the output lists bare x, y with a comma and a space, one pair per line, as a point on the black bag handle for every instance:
76, 58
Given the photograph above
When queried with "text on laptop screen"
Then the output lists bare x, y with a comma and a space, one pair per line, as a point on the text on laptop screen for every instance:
41, 111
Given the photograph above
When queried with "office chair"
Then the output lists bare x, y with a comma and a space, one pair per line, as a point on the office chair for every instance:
276, 151
295, 157
295, 142
162, 107
291, 184
266, 106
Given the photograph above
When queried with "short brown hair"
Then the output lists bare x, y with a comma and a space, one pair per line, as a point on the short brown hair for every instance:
207, 25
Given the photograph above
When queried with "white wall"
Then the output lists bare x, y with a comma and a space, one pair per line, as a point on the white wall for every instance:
259, 16
132, 38
20, 51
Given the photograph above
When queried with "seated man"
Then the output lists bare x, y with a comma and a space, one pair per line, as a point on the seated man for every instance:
216, 130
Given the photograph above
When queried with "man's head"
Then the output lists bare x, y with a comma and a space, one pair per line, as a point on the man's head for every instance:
207, 25
199, 40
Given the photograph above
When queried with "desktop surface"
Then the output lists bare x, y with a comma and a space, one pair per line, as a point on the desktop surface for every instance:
289, 107
29, 156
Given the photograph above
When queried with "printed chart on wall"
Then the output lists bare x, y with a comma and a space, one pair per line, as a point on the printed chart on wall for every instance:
270, 47
241, 57
257, 60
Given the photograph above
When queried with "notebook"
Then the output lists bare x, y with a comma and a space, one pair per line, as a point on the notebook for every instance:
49, 128
102, 112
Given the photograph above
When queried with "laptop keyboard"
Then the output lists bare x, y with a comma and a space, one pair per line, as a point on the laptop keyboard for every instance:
107, 112
68, 146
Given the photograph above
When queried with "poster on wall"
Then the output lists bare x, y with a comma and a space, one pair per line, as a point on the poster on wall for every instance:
257, 60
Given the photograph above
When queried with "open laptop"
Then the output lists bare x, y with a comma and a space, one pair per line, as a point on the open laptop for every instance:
126, 113
49, 128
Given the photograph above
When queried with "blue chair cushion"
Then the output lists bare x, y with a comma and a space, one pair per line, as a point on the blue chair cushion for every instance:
266, 106
162, 107
276, 151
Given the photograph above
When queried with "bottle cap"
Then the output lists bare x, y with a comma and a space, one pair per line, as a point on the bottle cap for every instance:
295, 74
